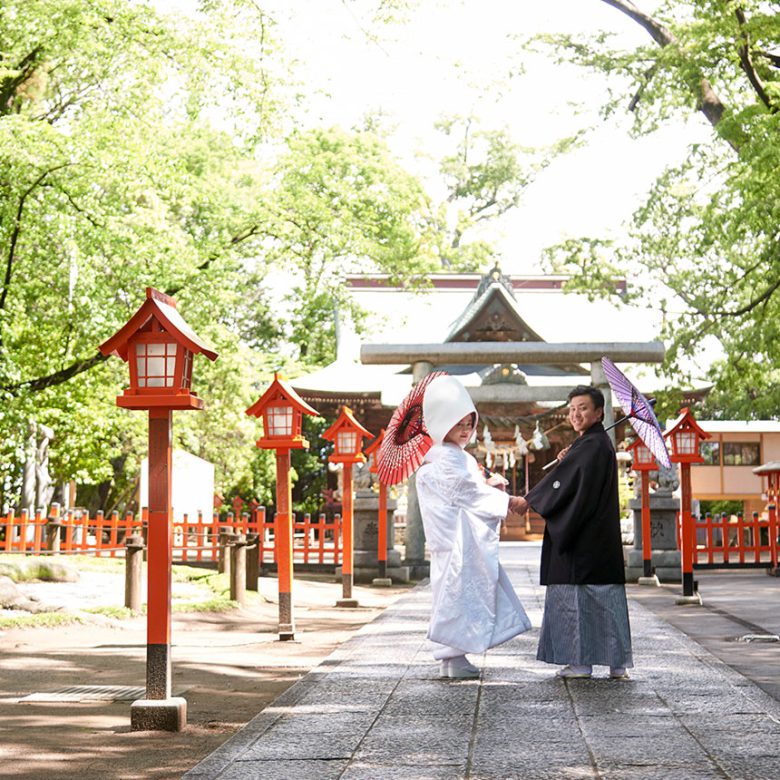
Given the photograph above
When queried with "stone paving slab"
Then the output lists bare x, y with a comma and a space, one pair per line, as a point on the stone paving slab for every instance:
377, 709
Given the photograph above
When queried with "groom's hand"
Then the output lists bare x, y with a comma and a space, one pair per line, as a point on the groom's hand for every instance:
518, 505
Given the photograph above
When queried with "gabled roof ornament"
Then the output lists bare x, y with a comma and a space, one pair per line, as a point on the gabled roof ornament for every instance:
494, 276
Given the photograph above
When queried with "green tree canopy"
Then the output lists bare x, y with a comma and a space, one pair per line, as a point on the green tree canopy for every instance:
139, 149
705, 241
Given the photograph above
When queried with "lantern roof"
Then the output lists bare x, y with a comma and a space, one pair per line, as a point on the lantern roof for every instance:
686, 420
345, 420
771, 467
280, 390
649, 463
636, 444
376, 444
162, 308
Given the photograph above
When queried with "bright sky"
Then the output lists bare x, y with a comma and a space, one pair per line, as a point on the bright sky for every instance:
452, 57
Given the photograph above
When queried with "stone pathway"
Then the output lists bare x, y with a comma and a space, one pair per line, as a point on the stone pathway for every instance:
376, 710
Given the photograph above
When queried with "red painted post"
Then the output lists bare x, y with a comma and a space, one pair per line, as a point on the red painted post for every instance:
647, 545
337, 543
38, 532
687, 530
709, 533
159, 546
99, 533
183, 535
321, 538
9, 531
756, 538
113, 538
84, 545
283, 540
69, 531
214, 537
772, 511
23, 530
199, 537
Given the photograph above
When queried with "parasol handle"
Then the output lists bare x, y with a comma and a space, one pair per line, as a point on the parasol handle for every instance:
625, 417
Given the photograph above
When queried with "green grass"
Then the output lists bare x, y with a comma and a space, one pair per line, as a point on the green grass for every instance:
24, 568
40, 620
118, 613
217, 604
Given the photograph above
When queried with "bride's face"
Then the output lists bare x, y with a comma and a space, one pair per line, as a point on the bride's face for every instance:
461, 432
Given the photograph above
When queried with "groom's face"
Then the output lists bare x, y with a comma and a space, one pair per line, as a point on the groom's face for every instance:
583, 413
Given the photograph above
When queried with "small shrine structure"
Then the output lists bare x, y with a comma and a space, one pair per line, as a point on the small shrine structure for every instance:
518, 380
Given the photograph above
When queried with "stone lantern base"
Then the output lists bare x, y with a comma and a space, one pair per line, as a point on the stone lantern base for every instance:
665, 558
365, 520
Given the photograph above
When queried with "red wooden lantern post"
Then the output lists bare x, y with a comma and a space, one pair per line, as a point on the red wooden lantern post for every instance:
159, 346
371, 452
282, 410
686, 435
347, 435
644, 462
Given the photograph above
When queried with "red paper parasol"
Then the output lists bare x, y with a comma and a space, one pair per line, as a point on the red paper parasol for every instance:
639, 412
406, 440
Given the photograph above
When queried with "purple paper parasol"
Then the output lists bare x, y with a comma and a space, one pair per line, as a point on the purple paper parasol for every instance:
638, 411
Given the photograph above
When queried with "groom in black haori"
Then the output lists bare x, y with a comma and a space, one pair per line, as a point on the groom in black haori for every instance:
585, 619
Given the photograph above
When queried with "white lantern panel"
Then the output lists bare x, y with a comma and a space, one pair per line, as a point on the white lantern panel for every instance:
346, 442
280, 421
156, 363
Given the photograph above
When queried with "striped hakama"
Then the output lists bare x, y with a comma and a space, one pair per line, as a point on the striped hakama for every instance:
585, 625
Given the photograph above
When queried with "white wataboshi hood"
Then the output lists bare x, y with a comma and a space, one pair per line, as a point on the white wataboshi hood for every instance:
445, 403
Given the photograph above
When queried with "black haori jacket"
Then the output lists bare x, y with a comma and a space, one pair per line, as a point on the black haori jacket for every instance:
579, 502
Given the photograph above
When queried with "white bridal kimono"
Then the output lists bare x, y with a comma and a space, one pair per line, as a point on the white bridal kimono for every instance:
474, 604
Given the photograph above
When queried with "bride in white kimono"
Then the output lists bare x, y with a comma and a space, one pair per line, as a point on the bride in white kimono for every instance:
474, 604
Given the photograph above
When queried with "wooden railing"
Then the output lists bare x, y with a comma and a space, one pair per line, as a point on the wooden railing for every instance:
732, 541
315, 541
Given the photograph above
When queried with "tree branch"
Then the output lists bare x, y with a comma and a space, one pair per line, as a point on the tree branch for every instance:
10, 86
660, 34
58, 377
709, 102
17, 229
754, 303
85, 364
746, 62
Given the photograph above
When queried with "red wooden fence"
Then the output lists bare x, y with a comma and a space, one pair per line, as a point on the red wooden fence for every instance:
315, 541
731, 541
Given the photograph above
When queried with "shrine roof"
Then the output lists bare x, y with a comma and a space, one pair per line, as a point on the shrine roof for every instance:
740, 426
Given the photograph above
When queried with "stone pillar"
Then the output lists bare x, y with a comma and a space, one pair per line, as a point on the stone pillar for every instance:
666, 560
28, 473
134, 560
366, 527
598, 379
252, 562
419, 568
53, 527
238, 569
414, 539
